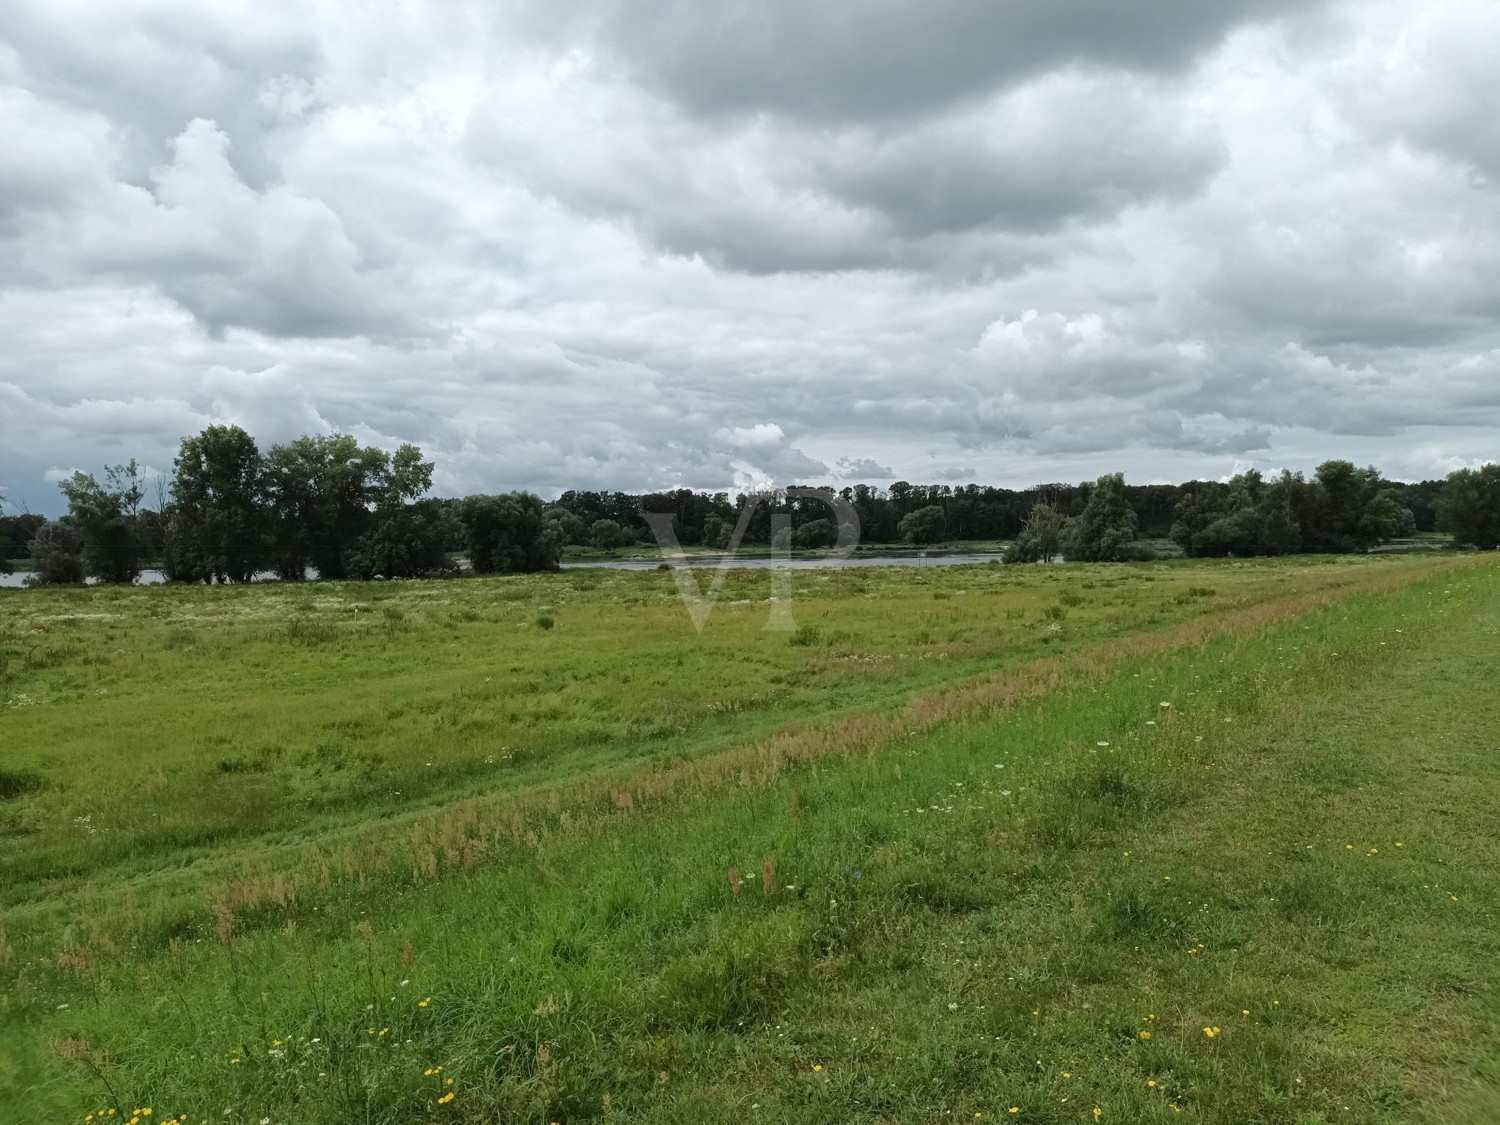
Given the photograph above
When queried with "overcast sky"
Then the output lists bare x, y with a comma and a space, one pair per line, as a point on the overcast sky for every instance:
605, 245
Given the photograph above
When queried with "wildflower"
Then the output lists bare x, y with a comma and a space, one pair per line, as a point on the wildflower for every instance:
1244, 1011
953, 1007
1067, 1074
1151, 1082
817, 1068
1210, 1031
1098, 1113
1015, 1109
446, 1098
1145, 1035
424, 1003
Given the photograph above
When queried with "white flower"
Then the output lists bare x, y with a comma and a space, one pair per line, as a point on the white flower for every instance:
953, 1007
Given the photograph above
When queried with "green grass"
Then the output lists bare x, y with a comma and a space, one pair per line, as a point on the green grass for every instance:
949, 926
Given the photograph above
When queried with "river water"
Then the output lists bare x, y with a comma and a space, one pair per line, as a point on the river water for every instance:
701, 562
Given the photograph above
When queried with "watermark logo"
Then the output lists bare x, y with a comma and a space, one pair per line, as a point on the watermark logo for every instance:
700, 605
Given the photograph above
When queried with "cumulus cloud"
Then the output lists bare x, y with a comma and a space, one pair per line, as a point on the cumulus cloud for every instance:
861, 468
737, 245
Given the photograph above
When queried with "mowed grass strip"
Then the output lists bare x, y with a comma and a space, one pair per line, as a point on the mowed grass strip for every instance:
1250, 880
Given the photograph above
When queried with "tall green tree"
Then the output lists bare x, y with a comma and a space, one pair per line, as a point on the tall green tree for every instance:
406, 536
1105, 528
105, 516
323, 491
1354, 511
1041, 537
56, 555
217, 521
927, 524
507, 533
1468, 508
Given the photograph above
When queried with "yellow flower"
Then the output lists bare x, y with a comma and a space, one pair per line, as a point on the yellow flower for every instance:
446, 1098
1244, 1011
1145, 1035
1098, 1113
1151, 1082
817, 1068
1067, 1074
424, 1003
1015, 1109
275, 1042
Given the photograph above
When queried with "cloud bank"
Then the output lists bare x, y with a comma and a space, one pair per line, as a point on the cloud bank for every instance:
738, 244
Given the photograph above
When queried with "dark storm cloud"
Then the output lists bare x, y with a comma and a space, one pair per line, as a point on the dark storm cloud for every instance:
861, 59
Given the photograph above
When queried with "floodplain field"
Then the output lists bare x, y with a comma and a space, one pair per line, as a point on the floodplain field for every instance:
1174, 841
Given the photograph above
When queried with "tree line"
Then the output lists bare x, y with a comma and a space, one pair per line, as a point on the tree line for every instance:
328, 506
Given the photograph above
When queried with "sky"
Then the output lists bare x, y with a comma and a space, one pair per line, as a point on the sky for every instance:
675, 244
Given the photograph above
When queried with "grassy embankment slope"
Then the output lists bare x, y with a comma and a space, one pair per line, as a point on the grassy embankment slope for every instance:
973, 904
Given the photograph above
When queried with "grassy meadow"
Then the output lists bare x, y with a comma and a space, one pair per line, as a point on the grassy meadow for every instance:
1184, 841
